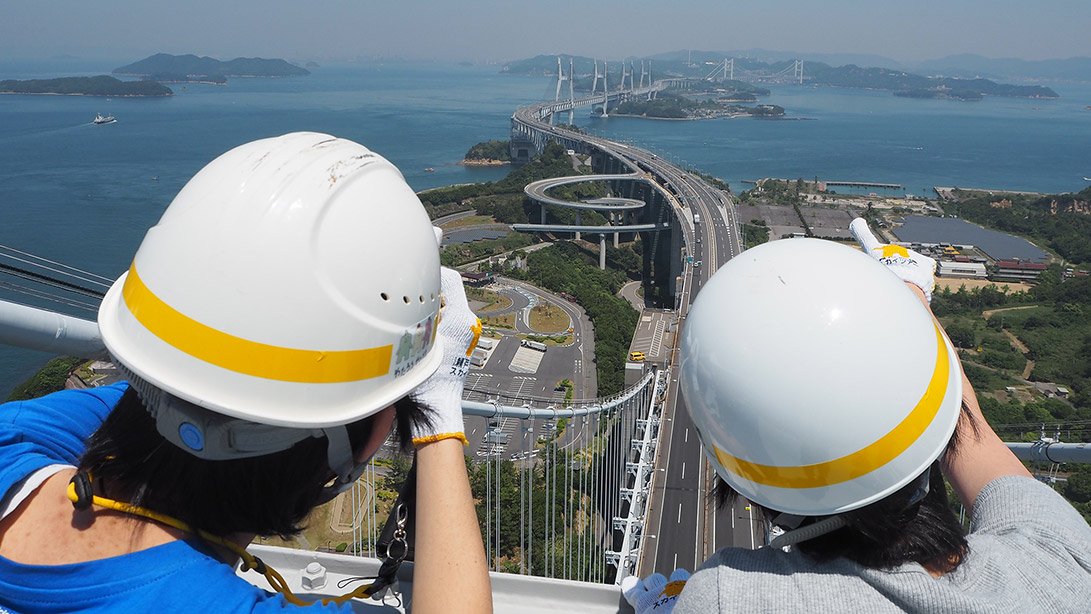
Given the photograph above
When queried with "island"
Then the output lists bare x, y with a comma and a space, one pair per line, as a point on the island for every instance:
711, 71
488, 153
168, 77
102, 85
191, 65
916, 86
669, 106
939, 92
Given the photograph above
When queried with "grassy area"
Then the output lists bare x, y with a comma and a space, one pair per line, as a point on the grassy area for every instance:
504, 321
549, 318
471, 220
494, 301
989, 381
985, 344
458, 254
1056, 342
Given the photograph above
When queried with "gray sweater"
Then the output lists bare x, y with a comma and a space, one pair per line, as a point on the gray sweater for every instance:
1030, 551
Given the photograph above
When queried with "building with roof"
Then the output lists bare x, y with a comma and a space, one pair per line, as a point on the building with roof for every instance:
967, 270
1017, 270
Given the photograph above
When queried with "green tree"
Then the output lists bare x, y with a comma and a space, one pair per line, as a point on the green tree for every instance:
51, 378
961, 336
1078, 486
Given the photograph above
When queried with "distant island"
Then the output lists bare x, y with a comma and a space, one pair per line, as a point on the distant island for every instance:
943, 93
903, 83
668, 106
101, 85
167, 77
193, 66
709, 72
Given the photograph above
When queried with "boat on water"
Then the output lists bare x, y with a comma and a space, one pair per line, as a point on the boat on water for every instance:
108, 119
429, 170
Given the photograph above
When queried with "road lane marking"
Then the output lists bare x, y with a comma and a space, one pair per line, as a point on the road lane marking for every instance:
683, 471
679, 513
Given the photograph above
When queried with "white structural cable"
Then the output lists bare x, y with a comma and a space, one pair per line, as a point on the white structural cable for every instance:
641, 471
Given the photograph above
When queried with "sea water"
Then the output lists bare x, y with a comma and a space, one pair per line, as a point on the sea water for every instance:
84, 194
841, 134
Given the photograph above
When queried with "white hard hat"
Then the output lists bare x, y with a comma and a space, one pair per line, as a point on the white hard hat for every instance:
294, 281
817, 381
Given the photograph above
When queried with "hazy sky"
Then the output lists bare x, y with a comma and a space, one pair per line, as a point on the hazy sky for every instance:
484, 30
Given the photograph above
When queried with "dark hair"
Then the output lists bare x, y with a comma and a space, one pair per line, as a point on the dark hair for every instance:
893, 530
267, 495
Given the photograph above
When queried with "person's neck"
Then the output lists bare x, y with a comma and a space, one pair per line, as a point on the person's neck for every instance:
222, 553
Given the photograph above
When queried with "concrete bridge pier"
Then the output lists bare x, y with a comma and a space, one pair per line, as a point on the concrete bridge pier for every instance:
542, 209
602, 250
578, 223
613, 222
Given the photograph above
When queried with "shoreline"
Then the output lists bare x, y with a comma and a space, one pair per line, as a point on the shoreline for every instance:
83, 94
482, 162
693, 119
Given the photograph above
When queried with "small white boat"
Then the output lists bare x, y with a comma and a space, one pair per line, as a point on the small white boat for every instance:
109, 119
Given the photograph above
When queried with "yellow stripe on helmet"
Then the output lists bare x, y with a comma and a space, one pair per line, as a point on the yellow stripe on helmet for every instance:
863, 461
249, 357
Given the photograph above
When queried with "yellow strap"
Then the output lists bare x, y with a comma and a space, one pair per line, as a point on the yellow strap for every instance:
249, 357
863, 461
250, 562
440, 437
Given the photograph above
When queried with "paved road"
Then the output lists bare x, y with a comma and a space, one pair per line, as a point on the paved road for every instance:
685, 526
684, 520
629, 293
516, 372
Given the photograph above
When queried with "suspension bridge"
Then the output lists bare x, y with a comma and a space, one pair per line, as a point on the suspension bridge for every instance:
574, 493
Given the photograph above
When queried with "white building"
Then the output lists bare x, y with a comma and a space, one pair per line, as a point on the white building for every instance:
970, 270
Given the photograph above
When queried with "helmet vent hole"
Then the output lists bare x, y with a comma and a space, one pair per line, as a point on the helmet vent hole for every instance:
421, 298
406, 299
384, 296
432, 297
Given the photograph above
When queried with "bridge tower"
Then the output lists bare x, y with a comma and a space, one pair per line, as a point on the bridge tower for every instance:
605, 89
799, 71
729, 69
561, 78
651, 93
595, 84
571, 94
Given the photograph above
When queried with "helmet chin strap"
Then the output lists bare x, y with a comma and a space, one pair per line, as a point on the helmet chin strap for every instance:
342, 460
802, 534
797, 534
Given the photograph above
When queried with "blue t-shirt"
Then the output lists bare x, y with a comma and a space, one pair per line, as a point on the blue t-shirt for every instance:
179, 576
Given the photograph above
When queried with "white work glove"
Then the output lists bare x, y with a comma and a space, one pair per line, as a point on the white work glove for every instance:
912, 267
458, 332
654, 594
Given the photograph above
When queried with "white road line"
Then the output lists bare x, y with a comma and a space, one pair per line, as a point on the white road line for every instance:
683, 471
687, 436
679, 513
700, 506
